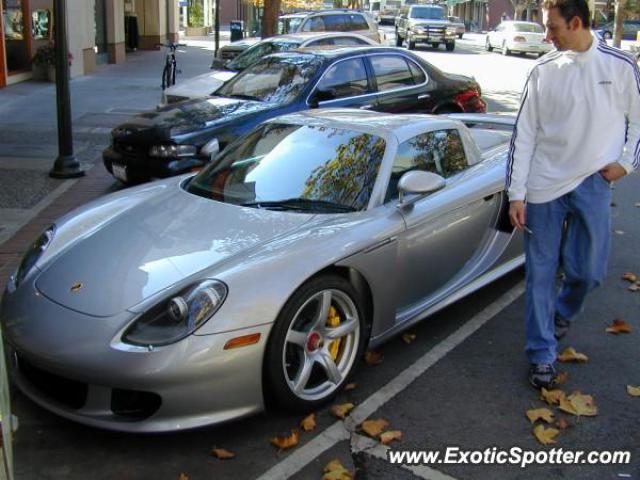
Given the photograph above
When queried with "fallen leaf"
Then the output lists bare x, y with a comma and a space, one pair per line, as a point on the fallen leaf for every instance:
350, 386
342, 410
183, 476
629, 277
373, 428
308, 423
561, 378
540, 414
563, 424
552, 397
545, 436
579, 405
618, 326
633, 391
387, 437
284, 443
619, 232
634, 287
372, 358
569, 354
222, 454
408, 337
334, 470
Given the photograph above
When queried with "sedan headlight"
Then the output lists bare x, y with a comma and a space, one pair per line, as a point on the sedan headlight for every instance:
451, 30
177, 317
33, 254
172, 151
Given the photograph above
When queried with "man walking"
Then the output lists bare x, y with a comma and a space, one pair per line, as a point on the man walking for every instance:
577, 131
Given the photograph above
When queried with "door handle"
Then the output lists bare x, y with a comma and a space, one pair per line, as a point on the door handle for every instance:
423, 96
488, 197
365, 107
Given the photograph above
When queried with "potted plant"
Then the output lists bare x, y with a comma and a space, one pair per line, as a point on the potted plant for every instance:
44, 61
195, 22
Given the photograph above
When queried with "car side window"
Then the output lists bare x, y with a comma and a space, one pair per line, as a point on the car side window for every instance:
347, 78
440, 151
314, 24
334, 23
357, 22
321, 42
391, 71
418, 75
349, 41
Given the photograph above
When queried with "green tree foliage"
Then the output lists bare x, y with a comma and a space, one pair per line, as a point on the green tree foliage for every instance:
195, 13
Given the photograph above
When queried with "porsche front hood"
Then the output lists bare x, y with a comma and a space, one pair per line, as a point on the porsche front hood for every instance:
151, 246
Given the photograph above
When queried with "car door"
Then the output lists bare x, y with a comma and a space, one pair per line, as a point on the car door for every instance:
345, 83
444, 230
402, 85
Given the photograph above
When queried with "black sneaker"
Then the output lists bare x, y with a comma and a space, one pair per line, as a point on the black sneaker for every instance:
542, 375
561, 326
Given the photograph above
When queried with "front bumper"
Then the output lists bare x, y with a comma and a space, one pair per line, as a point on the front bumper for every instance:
68, 363
431, 37
132, 168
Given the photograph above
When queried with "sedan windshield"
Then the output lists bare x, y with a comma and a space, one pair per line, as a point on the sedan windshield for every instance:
429, 13
256, 52
307, 168
273, 79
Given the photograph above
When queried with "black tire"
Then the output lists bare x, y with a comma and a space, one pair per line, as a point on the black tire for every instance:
297, 344
487, 45
411, 45
450, 46
166, 76
399, 40
505, 50
460, 35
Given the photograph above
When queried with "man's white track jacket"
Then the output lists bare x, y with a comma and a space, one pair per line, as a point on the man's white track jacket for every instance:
573, 121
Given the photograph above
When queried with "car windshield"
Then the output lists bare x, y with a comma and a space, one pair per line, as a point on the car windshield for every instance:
527, 27
273, 79
256, 52
429, 13
288, 25
307, 168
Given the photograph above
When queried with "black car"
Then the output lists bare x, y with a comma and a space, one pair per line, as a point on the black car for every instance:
186, 135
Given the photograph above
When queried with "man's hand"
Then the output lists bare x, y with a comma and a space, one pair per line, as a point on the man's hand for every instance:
517, 214
613, 171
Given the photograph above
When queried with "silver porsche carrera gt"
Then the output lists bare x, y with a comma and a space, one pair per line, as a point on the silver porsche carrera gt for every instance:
261, 280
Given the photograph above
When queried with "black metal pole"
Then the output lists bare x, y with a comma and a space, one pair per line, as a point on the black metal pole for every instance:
66, 165
216, 26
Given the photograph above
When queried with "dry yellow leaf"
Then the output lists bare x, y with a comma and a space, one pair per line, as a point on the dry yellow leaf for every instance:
374, 428
619, 326
342, 410
222, 454
408, 337
334, 470
579, 405
552, 397
183, 476
372, 357
561, 378
570, 354
540, 414
629, 277
387, 437
284, 443
308, 423
350, 386
563, 424
633, 391
545, 436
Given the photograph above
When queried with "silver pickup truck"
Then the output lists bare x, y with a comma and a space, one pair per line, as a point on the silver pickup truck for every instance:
425, 24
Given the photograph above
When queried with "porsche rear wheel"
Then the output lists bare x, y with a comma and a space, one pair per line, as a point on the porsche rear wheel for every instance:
314, 344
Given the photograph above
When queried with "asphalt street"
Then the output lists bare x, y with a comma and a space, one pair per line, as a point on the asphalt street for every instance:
459, 383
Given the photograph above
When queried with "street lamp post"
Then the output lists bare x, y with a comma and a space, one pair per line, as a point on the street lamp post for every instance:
66, 164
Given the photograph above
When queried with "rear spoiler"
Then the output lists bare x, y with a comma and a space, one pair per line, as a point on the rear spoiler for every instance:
485, 119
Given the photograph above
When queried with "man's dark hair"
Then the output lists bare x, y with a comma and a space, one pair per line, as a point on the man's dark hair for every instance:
569, 9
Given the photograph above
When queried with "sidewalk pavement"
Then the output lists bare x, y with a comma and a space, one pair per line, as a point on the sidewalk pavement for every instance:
29, 198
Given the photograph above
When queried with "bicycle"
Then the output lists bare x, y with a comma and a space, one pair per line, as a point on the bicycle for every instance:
170, 64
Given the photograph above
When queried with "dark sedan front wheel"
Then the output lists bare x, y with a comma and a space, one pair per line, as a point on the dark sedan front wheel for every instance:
314, 344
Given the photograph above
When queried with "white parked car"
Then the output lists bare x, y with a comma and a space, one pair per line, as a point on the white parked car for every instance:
518, 37
207, 83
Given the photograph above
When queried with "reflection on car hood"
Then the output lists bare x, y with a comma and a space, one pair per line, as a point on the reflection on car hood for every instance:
201, 85
197, 114
152, 245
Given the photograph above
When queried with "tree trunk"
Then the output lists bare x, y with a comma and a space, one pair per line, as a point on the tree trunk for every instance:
618, 27
270, 18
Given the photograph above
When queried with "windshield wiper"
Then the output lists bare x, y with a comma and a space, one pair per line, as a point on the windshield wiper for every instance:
304, 204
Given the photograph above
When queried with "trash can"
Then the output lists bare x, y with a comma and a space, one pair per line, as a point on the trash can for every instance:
236, 27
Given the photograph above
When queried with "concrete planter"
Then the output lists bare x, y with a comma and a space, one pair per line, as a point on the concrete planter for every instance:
197, 31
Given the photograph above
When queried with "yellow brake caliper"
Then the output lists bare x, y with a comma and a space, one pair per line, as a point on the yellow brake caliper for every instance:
333, 320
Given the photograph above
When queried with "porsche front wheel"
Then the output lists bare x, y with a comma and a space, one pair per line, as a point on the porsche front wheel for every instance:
314, 344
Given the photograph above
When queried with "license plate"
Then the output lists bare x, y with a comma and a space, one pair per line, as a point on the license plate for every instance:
119, 171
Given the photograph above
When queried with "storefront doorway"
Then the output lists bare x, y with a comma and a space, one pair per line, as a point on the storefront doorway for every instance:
16, 36
102, 55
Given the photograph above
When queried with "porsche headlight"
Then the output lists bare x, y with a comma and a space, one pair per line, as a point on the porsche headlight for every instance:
33, 254
172, 151
177, 317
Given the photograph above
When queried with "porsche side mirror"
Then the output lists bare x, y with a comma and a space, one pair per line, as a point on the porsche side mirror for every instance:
217, 64
418, 183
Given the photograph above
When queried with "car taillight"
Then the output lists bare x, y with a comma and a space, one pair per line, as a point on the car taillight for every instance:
519, 39
464, 97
